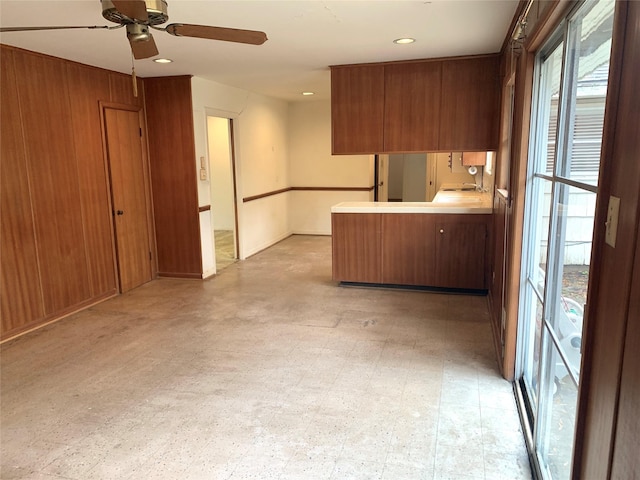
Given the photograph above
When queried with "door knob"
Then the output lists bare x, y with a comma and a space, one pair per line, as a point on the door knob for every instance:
442, 230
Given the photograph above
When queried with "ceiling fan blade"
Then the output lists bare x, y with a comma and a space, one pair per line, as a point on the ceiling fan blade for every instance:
251, 37
134, 9
143, 49
32, 29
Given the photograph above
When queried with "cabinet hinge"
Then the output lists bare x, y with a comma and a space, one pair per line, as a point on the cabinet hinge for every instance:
149, 255
140, 131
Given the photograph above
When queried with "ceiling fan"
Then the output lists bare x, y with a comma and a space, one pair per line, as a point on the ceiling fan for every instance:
138, 16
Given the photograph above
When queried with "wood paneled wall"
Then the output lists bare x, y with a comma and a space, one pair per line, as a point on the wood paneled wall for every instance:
21, 291
609, 425
173, 175
57, 252
625, 448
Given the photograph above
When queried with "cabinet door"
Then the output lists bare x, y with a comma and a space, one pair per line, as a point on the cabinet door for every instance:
408, 249
470, 109
355, 240
474, 158
460, 251
412, 106
357, 108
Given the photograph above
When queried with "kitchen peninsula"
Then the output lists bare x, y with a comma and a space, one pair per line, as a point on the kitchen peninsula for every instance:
440, 244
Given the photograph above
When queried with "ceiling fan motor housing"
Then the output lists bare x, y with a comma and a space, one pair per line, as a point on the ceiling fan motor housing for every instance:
138, 33
156, 11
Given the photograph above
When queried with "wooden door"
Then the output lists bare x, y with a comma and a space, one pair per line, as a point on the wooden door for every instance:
126, 156
461, 250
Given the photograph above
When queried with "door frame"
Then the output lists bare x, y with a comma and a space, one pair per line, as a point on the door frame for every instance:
147, 185
235, 173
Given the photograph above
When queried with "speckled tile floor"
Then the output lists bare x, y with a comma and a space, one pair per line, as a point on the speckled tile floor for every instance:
267, 371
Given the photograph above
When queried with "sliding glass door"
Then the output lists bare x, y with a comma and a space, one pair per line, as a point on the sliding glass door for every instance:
570, 87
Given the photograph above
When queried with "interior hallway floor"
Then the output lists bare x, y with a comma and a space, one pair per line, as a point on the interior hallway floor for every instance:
266, 371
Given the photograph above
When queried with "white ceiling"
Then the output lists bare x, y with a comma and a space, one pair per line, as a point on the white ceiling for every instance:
305, 37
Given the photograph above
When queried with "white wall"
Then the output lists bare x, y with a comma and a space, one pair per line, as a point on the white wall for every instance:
260, 131
414, 182
312, 165
395, 180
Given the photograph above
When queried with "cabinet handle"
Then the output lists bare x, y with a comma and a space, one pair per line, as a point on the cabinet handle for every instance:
442, 230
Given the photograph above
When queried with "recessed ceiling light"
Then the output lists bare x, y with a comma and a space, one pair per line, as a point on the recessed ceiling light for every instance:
306, 94
403, 41
163, 60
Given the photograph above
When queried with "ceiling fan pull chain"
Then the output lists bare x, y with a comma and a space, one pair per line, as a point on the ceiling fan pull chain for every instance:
133, 77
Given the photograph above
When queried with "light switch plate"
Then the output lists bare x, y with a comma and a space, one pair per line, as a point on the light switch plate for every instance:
612, 221
203, 174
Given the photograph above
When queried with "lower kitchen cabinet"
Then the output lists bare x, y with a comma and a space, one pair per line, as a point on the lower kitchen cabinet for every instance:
408, 249
413, 249
356, 247
461, 243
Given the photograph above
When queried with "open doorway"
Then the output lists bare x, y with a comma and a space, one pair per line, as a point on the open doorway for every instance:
406, 177
223, 190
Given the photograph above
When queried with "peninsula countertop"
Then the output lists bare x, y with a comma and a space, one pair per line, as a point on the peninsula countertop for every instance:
468, 202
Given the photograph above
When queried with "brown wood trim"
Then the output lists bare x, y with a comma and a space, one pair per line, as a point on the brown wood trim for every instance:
496, 334
204, 208
334, 189
546, 24
417, 60
197, 276
49, 319
264, 195
308, 189
515, 211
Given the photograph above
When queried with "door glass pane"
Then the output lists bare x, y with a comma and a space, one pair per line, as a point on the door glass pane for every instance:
587, 69
540, 232
557, 427
573, 233
551, 74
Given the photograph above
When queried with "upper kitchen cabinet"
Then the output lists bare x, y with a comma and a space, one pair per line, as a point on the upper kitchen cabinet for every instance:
470, 108
446, 105
474, 158
412, 106
357, 109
